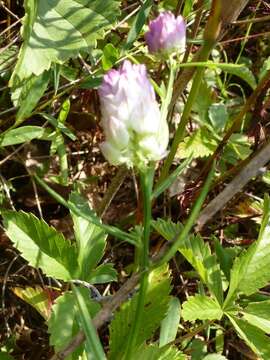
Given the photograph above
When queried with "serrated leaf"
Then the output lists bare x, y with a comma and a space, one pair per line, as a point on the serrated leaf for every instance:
153, 352
41, 299
257, 314
90, 238
242, 72
167, 228
24, 134
199, 144
155, 308
55, 30
238, 147
63, 323
251, 271
254, 337
197, 253
41, 245
170, 323
201, 307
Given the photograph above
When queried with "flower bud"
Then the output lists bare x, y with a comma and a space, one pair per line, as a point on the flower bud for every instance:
134, 131
167, 34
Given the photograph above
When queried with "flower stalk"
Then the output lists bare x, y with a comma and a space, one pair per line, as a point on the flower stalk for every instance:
146, 183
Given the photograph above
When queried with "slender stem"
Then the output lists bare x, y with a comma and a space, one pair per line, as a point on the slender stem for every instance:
112, 230
93, 343
146, 189
180, 132
169, 253
169, 92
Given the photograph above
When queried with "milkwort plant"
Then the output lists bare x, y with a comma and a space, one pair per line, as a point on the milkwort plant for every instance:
145, 317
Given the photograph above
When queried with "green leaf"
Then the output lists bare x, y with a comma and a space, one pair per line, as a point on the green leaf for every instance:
225, 257
138, 23
93, 346
63, 324
197, 348
201, 307
199, 144
155, 308
109, 57
238, 147
203, 102
197, 253
264, 69
254, 337
37, 297
56, 30
24, 134
251, 271
41, 245
187, 8
26, 93
58, 146
59, 125
257, 314
218, 116
153, 352
170, 323
167, 228
242, 72
103, 274
91, 82
90, 238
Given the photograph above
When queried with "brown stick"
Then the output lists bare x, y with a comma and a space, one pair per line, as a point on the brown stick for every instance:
249, 171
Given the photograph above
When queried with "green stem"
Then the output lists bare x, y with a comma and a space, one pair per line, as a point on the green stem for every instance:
166, 102
180, 132
146, 182
93, 344
112, 230
179, 238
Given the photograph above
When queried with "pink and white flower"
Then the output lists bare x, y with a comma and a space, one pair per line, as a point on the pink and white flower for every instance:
135, 133
167, 34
